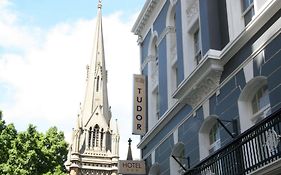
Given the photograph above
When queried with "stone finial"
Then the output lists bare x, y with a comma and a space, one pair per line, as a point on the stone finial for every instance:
99, 4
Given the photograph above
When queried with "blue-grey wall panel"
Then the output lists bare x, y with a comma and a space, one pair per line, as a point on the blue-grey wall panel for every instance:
258, 63
236, 60
230, 100
159, 26
204, 26
213, 24
273, 47
213, 103
144, 46
180, 63
240, 79
172, 123
246, 50
148, 163
272, 64
188, 134
275, 97
232, 111
163, 84
160, 22
226, 89
223, 23
162, 155
275, 77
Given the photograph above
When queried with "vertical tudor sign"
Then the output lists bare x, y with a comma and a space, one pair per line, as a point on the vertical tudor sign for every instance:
139, 120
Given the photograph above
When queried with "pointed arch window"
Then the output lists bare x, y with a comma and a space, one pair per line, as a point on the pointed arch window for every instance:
90, 136
101, 137
98, 81
96, 136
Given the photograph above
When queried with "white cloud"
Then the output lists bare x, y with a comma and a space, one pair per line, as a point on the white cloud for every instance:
48, 74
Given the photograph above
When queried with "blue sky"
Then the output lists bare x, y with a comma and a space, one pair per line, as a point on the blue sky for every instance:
45, 46
48, 12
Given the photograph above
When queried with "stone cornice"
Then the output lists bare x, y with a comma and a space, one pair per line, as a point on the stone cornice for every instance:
202, 81
144, 16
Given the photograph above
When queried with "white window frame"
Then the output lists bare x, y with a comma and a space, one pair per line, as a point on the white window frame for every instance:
246, 10
197, 46
246, 115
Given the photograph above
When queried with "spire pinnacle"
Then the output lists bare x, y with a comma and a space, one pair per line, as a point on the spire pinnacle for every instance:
99, 4
129, 155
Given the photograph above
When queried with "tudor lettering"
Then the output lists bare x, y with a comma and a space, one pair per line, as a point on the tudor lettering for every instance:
139, 103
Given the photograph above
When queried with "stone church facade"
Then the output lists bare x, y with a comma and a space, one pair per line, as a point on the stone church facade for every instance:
94, 149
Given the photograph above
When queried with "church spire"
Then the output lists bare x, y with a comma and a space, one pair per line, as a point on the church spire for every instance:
96, 137
96, 97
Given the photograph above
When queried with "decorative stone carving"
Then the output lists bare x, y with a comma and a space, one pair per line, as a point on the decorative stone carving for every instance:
204, 80
272, 140
192, 11
168, 29
147, 60
203, 88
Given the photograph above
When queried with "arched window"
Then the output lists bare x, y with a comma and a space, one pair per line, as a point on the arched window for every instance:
209, 136
90, 137
96, 136
172, 58
101, 138
153, 87
253, 102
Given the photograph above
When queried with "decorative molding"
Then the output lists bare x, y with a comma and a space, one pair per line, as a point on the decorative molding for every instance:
167, 30
144, 16
202, 89
173, 2
192, 11
147, 60
202, 81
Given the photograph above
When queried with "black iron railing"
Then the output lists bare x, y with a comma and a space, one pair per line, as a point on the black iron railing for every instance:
251, 150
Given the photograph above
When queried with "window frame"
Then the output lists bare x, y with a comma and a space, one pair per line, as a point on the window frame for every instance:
248, 10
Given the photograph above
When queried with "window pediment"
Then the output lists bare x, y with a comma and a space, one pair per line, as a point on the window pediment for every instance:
204, 79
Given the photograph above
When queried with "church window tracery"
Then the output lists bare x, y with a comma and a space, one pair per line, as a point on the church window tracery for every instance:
96, 136
101, 138
90, 136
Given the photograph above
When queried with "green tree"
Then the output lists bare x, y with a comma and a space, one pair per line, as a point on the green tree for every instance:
30, 152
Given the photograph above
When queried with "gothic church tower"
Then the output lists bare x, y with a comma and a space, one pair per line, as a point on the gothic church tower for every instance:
95, 142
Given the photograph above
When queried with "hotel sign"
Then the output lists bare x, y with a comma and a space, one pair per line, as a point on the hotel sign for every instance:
139, 120
131, 167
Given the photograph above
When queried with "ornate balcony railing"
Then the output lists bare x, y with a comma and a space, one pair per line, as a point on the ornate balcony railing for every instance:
251, 151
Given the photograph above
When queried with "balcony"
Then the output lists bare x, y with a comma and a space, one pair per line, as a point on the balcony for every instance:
202, 81
256, 151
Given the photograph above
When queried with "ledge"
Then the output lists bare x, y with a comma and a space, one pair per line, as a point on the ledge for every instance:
202, 81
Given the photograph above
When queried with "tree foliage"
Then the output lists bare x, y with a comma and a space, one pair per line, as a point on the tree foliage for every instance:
31, 152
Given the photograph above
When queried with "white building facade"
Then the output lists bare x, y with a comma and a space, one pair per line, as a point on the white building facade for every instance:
213, 75
94, 149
